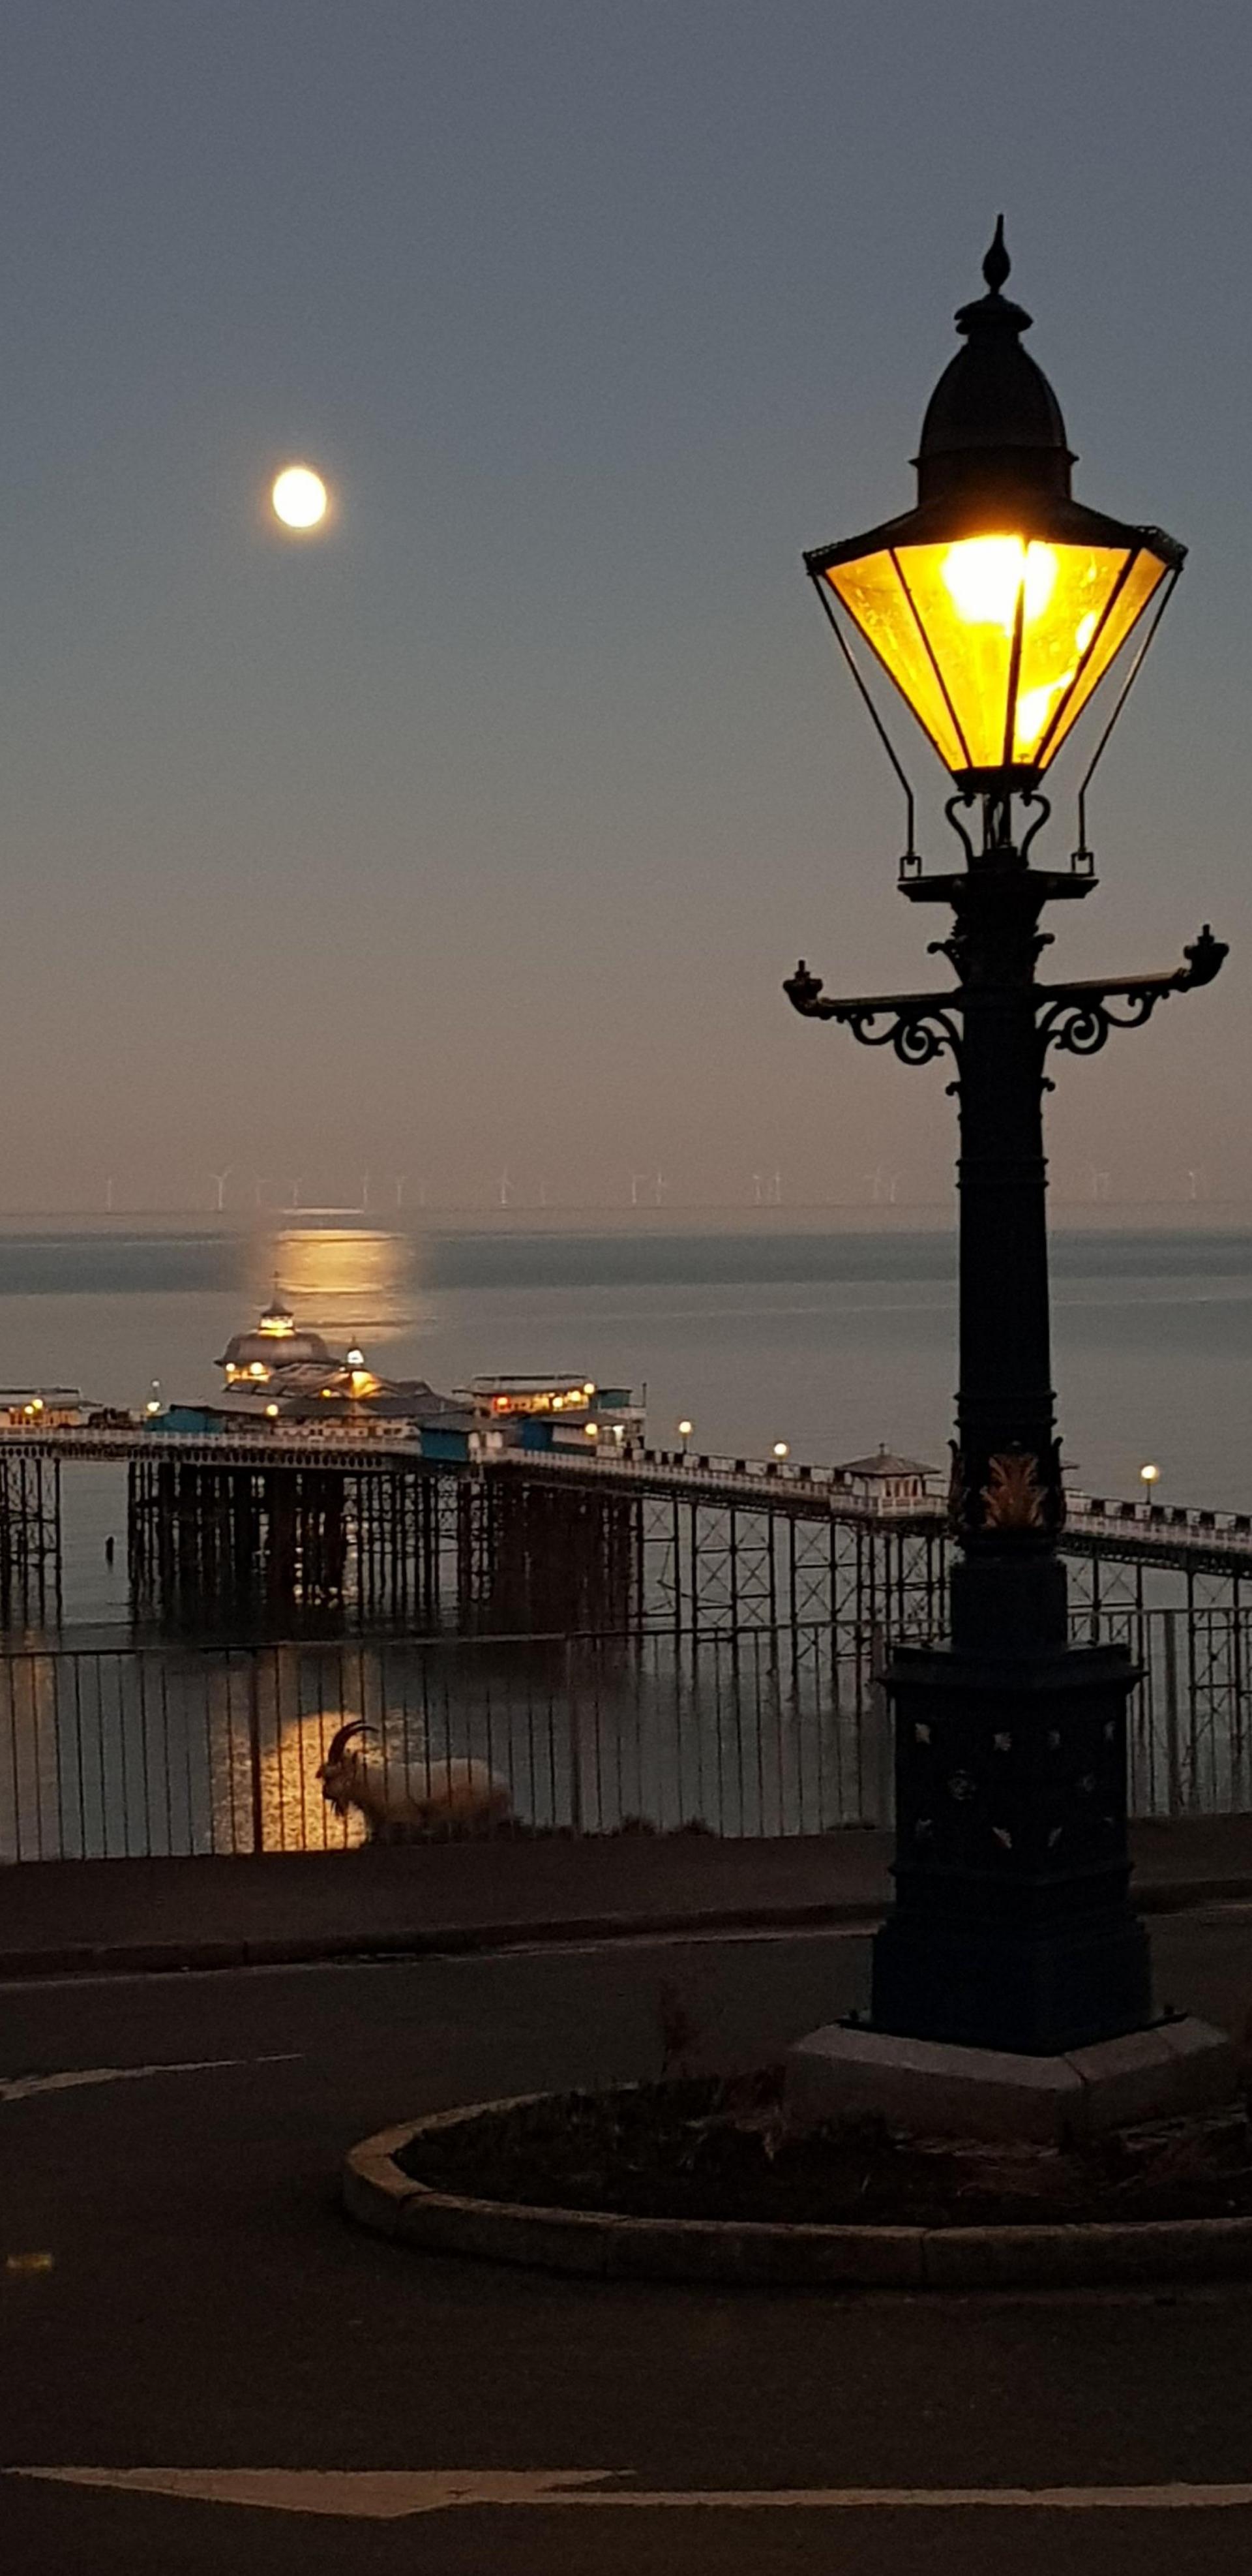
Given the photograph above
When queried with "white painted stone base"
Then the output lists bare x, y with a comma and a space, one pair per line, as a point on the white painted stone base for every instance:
933, 2090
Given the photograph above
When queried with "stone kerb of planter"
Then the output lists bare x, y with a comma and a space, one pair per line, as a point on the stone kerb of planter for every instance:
379, 2195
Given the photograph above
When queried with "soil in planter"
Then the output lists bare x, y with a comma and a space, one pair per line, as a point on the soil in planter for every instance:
706, 2148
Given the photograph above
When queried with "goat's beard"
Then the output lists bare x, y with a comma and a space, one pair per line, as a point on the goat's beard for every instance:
335, 1798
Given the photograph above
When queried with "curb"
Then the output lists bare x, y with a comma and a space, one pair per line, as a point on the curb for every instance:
436, 1940
769, 2255
275, 1950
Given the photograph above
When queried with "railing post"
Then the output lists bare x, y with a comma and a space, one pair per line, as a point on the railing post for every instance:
254, 1751
574, 1718
1173, 1764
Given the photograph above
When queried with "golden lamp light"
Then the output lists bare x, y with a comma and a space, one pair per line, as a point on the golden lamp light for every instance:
998, 605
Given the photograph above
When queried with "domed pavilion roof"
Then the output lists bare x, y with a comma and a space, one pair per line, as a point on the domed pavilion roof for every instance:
276, 1342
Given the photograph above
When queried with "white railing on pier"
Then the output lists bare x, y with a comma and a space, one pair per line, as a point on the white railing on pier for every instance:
1184, 1527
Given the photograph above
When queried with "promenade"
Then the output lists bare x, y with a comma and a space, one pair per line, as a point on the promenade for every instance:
76, 1917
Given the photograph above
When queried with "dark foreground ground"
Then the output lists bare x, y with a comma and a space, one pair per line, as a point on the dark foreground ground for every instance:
180, 2291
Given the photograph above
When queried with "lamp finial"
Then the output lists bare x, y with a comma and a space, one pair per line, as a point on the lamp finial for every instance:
996, 266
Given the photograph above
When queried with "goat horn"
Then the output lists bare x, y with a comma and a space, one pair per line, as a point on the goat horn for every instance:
355, 1726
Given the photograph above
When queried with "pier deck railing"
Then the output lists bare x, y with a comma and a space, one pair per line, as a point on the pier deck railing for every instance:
784, 1485
137, 1750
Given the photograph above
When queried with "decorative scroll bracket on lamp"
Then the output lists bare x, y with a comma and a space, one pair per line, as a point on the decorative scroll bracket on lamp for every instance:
1077, 1018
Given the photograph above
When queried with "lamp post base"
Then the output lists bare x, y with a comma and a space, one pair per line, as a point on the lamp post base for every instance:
1037, 1990
1174, 2071
1012, 1926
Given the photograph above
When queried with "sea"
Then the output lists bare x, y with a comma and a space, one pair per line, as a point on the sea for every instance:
833, 1331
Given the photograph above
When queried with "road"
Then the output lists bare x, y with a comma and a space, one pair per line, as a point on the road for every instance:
181, 2293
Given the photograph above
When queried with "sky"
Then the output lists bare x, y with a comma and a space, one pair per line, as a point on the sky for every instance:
476, 835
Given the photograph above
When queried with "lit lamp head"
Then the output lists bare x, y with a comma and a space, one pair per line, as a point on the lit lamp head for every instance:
999, 603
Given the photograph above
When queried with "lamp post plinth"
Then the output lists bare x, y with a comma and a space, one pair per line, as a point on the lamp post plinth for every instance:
1012, 1926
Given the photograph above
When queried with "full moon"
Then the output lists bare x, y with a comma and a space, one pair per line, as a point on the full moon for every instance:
299, 497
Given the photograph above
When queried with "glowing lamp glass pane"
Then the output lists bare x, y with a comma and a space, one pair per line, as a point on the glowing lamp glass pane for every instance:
966, 598
1121, 610
997, 642
874, 595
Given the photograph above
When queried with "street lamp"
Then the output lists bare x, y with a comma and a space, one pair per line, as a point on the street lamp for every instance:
997, 606
685, 1430
1148, 1477
782, 1449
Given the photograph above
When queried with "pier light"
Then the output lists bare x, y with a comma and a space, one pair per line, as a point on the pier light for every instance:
271, 1412
1148, 1477
782, 1449
591, 1430
998, 604
685, 1429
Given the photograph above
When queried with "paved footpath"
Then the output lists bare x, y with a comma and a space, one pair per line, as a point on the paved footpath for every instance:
63, 1916
182, 2299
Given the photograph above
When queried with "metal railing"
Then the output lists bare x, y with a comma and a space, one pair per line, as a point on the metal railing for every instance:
142, 1750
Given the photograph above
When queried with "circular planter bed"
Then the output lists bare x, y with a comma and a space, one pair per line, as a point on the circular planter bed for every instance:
699, 2179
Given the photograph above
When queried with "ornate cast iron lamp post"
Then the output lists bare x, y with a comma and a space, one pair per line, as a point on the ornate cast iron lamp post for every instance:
997, 606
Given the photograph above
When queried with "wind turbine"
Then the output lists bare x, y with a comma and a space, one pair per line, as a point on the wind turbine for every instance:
365, 1191
635, 1179
295, 1194
219, 1180
757, 1200
260, 1185
506, 1190
108, 1198
774, 1192
659, 1187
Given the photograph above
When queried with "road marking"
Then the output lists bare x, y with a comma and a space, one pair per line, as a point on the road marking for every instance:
19, 2088
367, 2495
390, 2495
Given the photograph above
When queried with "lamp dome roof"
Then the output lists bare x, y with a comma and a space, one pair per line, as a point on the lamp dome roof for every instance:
992, 403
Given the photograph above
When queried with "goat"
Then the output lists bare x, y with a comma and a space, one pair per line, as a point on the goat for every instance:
458, 1793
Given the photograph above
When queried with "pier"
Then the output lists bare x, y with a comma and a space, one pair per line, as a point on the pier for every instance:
265, 1526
